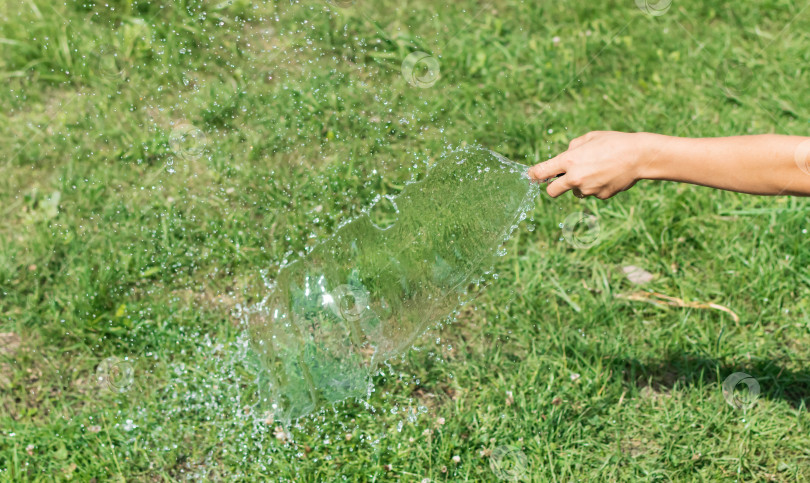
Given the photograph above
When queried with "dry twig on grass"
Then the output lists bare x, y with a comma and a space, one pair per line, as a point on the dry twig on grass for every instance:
662, 299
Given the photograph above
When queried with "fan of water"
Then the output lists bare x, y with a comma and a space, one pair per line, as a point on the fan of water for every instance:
365, 294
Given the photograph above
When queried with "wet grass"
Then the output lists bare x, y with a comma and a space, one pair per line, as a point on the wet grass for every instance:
157, 156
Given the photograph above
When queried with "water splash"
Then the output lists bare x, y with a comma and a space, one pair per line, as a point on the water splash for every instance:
365, 294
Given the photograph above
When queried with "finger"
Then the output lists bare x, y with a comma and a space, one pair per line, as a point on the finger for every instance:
559, 186
548, 169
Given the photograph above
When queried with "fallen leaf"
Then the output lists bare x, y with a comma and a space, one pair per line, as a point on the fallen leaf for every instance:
637, 275
50, 205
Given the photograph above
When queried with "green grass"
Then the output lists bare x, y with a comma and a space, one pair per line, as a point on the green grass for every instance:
122, 239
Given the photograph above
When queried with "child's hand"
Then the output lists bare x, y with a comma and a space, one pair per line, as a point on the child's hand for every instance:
600, 163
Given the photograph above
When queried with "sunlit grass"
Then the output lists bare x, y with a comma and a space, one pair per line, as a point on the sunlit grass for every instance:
304, 117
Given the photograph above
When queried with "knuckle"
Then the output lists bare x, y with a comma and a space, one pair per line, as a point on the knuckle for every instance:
578, 141
600, 135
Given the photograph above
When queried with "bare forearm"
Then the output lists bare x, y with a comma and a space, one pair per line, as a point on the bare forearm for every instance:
766, 164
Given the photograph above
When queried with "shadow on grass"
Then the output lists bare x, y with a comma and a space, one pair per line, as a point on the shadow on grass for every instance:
785, 379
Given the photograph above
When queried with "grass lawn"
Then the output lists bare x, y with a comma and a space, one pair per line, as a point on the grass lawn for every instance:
161, 159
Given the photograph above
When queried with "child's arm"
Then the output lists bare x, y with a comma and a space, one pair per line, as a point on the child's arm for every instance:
603, 163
